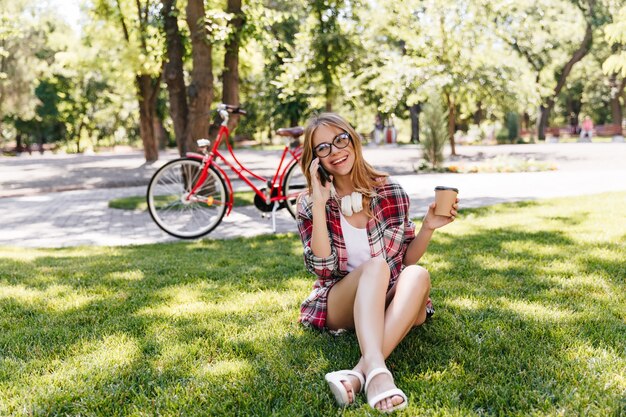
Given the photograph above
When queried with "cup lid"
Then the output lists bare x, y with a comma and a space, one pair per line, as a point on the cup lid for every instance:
441, 188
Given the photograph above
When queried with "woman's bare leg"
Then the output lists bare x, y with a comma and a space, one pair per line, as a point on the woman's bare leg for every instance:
407, 307
364, 292
402, 312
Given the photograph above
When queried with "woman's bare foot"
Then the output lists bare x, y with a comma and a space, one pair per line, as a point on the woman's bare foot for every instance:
380, 383
353, 386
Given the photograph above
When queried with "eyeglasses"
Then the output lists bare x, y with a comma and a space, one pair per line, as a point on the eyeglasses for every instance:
340, 141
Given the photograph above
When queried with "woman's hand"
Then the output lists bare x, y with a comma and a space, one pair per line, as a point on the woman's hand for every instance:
320, 193
432, 221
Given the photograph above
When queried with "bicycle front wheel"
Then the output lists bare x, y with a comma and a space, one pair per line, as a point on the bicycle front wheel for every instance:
293, 185
177, 212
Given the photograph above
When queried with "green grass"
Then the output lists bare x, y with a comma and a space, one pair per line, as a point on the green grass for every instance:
240, 198
531, 320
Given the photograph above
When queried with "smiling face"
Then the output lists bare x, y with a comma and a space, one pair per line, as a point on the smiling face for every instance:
340, 161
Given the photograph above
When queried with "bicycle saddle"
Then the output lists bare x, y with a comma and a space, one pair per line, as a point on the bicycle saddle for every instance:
290, 131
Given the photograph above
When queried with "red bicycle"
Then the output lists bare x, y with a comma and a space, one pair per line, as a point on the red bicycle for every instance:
188, 197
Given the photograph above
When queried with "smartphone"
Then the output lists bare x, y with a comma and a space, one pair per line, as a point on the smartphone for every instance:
324, 177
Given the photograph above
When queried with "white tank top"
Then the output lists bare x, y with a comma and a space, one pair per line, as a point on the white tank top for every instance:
357, 244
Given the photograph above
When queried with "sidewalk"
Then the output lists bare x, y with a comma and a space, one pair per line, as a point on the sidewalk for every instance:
35, 218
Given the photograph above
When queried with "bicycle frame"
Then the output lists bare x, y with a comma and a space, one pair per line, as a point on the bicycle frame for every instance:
211, 159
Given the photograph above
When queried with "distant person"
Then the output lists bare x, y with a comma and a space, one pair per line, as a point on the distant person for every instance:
586, 131
391, 133
379, 128
363, 248
573, 123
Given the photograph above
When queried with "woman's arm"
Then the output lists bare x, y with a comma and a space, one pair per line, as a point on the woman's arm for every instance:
322, 266
319, 256
320, 244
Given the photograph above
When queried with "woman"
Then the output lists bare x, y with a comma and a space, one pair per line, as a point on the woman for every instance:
360, 243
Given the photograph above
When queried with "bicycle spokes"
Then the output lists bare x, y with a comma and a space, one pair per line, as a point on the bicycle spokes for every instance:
179, 212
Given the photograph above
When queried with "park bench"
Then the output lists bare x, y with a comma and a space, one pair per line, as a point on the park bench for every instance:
614, 130
552, 134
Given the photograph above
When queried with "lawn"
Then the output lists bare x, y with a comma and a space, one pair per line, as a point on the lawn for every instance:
138, 202
531, 320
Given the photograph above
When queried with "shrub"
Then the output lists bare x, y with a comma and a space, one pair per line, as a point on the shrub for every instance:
502, 136
512, 125
434, 131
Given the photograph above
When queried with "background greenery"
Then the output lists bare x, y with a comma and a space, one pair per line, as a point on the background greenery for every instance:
77, 87
531, 320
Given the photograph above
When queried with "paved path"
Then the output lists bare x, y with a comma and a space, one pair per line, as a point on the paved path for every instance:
34, 216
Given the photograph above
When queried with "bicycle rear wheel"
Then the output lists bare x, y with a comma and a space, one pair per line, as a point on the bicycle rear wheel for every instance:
293, 185
178, 213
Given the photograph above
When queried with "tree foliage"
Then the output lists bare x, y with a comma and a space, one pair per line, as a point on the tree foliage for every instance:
283, 60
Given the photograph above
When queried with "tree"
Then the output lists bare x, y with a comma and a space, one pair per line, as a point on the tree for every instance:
615, 65
433, 45
552, 38
139, 25
24, 58
190, 105
324, 52
230, 75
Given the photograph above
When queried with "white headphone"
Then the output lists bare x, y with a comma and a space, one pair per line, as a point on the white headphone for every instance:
351, 203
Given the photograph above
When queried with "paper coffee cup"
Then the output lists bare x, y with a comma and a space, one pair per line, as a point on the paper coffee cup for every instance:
445, 197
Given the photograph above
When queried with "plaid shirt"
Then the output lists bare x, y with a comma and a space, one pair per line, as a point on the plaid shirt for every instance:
389, 233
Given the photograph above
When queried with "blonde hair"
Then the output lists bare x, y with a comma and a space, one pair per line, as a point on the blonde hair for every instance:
363, 175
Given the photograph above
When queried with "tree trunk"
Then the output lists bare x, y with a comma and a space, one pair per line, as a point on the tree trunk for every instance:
526, 121
230, 77
147, 88
78, 132
415, 122
200, 90
160, 133
579, 54
175, 76
329, 98
616, 92
478, 114
542, 121
451, 122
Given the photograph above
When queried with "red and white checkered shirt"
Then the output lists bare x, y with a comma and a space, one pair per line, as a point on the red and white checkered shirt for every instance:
389, 233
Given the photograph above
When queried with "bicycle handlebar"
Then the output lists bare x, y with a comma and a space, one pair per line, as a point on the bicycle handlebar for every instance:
230, 108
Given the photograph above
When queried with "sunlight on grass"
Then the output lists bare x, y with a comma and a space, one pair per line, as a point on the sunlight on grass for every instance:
537, 311
34, 254
226, 367
131, 275
450, 372
72, 377
97, 361
465, 303
604, 364
530, 319
182, 301
53, 298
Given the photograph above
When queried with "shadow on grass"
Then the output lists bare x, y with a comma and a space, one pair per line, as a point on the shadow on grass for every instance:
527, 322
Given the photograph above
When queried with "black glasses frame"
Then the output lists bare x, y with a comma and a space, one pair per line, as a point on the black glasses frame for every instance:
334, 143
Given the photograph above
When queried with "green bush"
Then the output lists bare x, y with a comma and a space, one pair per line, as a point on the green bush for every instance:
502, 137
434, 131
512, 126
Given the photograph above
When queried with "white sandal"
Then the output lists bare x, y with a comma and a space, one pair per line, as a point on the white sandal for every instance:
335, 379
387, 394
